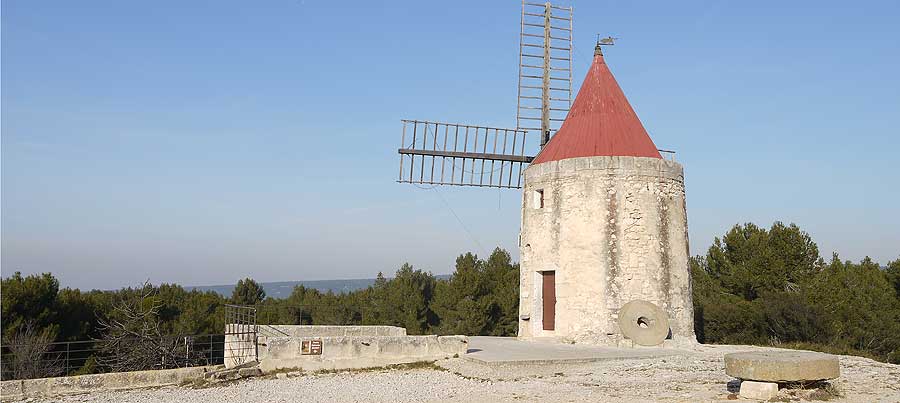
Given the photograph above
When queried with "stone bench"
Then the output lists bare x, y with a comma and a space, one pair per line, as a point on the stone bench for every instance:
762, 371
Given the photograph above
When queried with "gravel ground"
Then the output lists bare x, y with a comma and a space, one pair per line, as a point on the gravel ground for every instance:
695, 377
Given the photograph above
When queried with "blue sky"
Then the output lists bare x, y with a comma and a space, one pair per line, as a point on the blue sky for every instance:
201, 142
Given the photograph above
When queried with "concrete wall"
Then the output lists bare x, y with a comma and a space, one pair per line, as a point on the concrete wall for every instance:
240, 345
329, 331
68, 385
346, 347
614, 229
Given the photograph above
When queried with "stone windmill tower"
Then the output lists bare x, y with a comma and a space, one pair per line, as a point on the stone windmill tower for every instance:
604, 244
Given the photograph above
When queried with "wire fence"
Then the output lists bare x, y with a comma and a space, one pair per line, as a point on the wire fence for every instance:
309, 314
284, 315
39, 360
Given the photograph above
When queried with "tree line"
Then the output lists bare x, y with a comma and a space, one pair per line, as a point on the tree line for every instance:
753, 286
771, 287
145, 327
480, 298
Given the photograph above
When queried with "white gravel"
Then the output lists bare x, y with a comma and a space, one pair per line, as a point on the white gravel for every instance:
697, 377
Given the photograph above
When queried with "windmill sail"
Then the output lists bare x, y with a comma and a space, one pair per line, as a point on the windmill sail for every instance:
545, 68
437, 153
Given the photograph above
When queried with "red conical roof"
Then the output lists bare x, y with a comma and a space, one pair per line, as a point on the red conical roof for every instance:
600, 123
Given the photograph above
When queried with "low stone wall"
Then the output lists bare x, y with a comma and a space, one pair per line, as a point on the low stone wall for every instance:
329, 331
348, 347
69, 385
240, 347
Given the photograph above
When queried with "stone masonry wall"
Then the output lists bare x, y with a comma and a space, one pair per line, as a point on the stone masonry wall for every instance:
78, 384
353, 352
328, 331
279, 347
614, 229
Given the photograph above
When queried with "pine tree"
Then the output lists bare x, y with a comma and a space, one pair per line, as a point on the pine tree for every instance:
247, 292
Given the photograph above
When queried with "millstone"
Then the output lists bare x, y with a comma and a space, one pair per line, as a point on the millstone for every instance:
782, 366
644, 323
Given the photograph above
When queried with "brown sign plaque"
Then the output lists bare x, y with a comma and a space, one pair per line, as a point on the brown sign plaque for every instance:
311, 347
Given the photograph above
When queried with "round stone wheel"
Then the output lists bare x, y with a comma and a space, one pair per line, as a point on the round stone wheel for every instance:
782, 366
644, 323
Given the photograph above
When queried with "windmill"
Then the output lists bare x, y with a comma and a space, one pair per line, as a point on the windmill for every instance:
438, 153
603, 240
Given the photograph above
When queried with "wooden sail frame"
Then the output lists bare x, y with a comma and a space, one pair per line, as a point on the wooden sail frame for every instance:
436, 153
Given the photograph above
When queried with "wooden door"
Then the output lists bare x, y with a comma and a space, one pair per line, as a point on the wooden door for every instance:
549, 299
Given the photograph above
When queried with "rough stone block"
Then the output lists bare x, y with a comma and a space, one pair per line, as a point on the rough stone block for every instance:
782, 366
228, 375
67, 385
758, 390
582, 164
247, 372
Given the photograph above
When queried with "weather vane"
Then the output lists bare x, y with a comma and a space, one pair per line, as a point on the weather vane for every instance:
608, 41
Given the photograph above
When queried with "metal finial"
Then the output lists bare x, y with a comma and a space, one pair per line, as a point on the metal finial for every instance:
608, 41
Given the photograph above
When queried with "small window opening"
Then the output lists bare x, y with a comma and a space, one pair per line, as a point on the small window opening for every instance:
539, 198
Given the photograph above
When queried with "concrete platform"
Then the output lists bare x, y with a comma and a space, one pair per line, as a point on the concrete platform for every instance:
509, 350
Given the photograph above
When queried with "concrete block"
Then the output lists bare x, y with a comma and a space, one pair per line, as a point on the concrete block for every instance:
367, 347
582, 164
279, 347
782, 366
328, 331
248, 372
230, 374
758, 390
453, 345
347, 352
599, 164
67, 385
552, 168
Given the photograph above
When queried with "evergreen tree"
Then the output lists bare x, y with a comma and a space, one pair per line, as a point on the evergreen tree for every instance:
757, 286
459, 303
862, 308
247, 292
749, 260
893, 276
481, 298
502, 284
408, 296
33, 299
375, 309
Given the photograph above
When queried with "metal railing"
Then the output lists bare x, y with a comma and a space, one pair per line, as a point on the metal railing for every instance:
241, 334
88, 356
308, 314
667, 154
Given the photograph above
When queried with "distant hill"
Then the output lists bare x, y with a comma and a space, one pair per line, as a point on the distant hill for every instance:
283, 289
